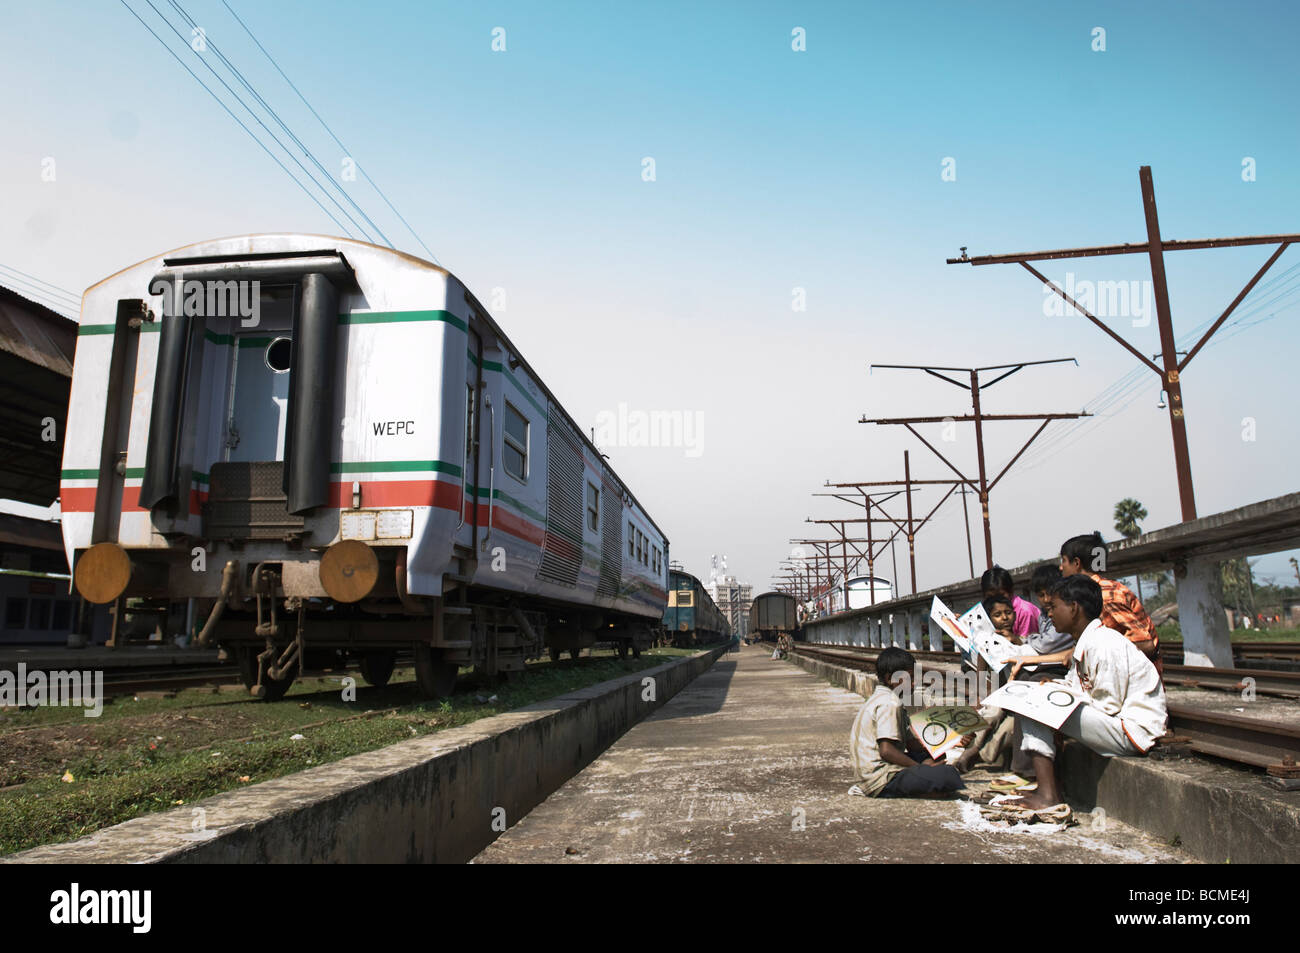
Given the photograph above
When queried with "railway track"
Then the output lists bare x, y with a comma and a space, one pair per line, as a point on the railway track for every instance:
1173, 652
1286, 651
1281, 684
1263, 681
1253, 741
171, 678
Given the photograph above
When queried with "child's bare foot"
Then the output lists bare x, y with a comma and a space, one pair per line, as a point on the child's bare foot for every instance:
1035, 800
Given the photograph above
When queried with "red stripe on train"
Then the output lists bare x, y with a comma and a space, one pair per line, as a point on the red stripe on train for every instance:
379, 493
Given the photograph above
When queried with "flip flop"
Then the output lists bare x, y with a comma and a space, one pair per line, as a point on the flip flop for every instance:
1054, 814
1012, 782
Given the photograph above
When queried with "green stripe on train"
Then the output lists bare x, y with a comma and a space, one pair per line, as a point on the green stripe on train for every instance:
396, 466
374, 317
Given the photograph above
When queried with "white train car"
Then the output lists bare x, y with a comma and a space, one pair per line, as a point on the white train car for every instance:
333, 448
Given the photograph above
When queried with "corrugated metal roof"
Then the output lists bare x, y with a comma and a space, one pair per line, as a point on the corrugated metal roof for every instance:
36, 334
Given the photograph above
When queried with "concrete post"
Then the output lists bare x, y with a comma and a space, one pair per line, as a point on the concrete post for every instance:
936, 635
900, 630
914, 629
873, 632
1200, 613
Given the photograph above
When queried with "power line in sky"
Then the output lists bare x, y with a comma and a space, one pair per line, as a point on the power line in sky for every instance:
1270, 293
308, 181
211, 44
325, 125
49, 296
239, 99
241, 123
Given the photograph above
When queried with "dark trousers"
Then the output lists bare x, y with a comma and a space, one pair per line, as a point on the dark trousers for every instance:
1043, 671
923, 779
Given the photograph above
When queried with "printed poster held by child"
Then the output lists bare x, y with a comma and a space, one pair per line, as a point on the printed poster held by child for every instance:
996, 651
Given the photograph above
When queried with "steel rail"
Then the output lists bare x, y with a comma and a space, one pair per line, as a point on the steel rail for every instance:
1252, 741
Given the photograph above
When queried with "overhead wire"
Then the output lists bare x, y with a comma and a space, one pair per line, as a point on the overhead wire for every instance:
241, 123
327, 128
1131, 384
212, 45
239, 99
63, 292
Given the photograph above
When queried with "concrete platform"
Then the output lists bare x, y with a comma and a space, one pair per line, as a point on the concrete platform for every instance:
439, 798
750, 764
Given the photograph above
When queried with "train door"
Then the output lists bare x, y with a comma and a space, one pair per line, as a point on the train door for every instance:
473, 403
259, 398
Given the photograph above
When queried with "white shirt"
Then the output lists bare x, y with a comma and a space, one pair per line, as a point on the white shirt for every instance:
1119, 680
881, 717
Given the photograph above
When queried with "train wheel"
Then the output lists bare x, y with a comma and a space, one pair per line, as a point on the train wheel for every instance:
621, 648
434, 677
575, 652
555, 654
636, 649
377, 667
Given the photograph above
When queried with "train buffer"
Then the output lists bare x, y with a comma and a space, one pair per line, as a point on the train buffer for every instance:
750, 764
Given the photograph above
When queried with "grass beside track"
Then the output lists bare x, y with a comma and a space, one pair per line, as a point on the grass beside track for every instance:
1170, 632
63, 775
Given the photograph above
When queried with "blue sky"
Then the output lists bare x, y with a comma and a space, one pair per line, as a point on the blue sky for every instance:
775, 170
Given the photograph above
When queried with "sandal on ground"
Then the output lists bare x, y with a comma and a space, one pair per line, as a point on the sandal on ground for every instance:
1012, 806
1012, 782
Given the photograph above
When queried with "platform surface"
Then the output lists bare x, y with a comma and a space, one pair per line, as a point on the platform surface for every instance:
749, 764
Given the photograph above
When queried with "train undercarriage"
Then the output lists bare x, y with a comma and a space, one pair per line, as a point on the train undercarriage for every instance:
274, 636
495, 634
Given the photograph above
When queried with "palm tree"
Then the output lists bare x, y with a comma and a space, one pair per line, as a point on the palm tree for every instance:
1128, 513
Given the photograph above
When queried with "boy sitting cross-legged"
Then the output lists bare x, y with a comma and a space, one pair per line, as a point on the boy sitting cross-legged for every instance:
1123, 711
887, 759
990, 745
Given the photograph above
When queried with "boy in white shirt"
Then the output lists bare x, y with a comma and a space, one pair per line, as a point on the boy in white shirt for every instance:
1123, 712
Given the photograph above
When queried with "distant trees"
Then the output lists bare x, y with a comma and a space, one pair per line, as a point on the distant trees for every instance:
1128, 516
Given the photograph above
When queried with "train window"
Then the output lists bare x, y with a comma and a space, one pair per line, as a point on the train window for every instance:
62, 615
640, 546
278, 353
40, 615
631, 541
15, 613
515, 449
593, 507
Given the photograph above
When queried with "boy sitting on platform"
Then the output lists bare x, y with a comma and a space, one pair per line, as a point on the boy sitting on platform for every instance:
1123, 711
887, 759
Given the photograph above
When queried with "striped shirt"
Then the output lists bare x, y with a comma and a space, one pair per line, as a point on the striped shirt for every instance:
1122, 611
